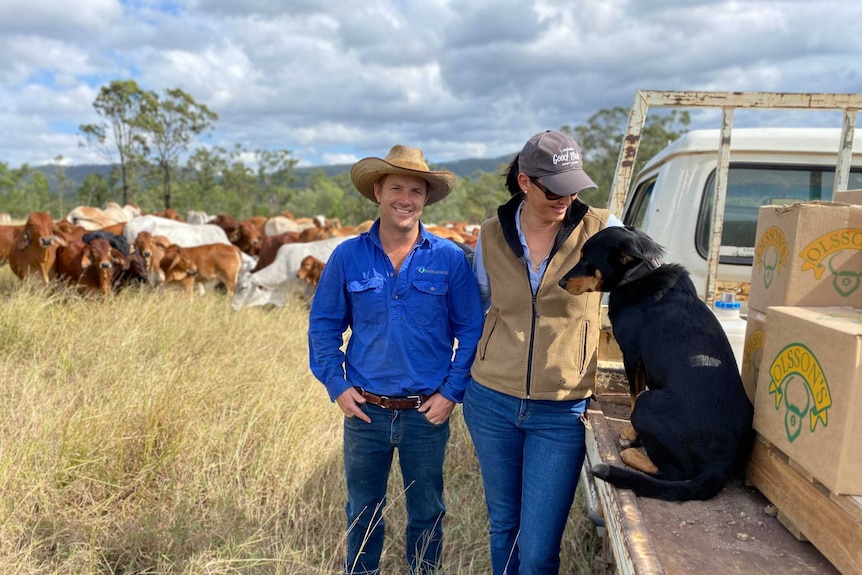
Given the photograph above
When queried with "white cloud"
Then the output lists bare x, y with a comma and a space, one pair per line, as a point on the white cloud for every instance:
340, 81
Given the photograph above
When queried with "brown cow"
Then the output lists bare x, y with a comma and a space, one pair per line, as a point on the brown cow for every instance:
269, 247
229, 225
35, 248
314, 233
152, 249
177, 267
89, 266
7, 241
170, 214
310, 269
259, 222
210, 263
248, 238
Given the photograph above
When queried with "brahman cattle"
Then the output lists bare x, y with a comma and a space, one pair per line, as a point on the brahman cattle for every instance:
91, 218
202, 265
197, 217
278, 283
179, 233
310, 269
270, 245
118, 242
152, 248
89, 266
35, 248
7, 241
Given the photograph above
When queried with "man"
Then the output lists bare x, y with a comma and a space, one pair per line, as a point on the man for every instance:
406, 295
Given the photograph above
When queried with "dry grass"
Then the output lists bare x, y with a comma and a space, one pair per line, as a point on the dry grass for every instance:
145, 434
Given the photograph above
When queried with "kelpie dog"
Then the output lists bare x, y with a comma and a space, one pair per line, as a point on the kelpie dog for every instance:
694, 419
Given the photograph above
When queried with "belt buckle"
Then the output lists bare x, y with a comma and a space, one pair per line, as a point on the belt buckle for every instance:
417, 398
384, 401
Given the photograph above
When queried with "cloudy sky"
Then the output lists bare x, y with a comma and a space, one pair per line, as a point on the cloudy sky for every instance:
337, 81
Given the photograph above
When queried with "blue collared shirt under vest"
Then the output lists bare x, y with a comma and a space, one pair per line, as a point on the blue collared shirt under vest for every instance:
403, 325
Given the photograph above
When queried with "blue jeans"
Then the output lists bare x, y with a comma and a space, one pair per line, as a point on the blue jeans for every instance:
368, 451
530, 454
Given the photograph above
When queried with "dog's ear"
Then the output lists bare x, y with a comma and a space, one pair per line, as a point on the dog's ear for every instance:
629, 249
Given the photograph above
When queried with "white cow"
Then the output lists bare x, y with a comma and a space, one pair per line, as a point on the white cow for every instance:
91, 218
277, 283
180, 233
279, 224
198, 217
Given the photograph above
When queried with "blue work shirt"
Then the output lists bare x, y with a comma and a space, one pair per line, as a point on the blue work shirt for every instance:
403, 325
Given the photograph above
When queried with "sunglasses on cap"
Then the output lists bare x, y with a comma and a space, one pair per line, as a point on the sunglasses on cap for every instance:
552, 197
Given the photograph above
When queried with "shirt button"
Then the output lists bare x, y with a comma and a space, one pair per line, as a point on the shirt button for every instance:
432, 289
391, 274
396, 296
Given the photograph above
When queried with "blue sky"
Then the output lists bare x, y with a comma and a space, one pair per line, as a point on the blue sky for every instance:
335, 82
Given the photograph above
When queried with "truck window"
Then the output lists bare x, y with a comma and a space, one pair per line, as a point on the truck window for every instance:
752, 186
640, 201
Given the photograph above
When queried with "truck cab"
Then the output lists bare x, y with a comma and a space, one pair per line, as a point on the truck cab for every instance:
700, 198
671, 198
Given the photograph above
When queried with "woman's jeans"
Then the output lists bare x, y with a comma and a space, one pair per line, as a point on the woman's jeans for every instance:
530, 453
368, 451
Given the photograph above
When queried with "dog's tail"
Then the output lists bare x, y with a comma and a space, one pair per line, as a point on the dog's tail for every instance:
704, 486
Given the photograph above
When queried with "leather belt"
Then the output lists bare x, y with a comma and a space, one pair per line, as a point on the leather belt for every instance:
395, 402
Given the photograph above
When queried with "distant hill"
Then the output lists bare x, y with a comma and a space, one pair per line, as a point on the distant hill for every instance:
462, 168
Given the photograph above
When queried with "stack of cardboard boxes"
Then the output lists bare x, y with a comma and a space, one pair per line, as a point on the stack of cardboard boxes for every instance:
802, 359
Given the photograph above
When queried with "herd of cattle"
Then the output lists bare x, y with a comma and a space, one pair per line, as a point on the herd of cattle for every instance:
258, 261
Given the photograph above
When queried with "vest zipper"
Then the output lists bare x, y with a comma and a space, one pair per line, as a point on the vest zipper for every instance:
532, 333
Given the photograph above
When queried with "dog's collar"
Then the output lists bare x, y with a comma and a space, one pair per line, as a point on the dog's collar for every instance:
640, 270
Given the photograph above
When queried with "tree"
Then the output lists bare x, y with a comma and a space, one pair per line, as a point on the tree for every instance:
63, 183
94, 191
274, 175
202, 173
239, 183
24, 190
122, 104
602, 138
170, 124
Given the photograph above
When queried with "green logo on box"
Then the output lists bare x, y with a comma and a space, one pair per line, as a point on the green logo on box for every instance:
799, 385
825, 249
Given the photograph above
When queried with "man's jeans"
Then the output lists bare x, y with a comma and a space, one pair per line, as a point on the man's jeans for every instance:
530, 453
368, 450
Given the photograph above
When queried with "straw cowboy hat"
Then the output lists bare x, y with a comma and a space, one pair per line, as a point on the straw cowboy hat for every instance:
404, 161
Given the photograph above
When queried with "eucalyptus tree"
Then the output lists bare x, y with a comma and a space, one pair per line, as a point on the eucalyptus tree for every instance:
170, 124
122, 105
95, 190
275, 173
602, 138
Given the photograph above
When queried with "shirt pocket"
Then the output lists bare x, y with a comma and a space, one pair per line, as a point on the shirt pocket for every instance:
429, 302
368, 304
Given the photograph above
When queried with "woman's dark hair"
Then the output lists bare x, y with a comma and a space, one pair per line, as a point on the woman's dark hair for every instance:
512, 177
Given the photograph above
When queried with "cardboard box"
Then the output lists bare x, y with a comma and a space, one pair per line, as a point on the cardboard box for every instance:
848, 197
809, 392
807, 254
752, 351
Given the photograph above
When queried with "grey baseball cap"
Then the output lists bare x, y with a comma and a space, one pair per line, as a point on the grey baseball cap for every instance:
554, 158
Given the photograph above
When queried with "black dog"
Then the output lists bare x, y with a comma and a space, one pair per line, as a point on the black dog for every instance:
694, 420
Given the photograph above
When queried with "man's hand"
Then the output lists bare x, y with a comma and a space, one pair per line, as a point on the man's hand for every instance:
437, 409
349, 402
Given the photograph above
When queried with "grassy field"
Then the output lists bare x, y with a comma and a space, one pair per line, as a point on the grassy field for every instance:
148, 434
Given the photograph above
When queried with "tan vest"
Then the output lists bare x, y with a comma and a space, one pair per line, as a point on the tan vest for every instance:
545, 350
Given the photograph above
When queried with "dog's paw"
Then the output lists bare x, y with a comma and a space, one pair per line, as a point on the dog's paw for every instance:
602, 470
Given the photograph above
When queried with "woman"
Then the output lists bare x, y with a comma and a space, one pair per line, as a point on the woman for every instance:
535, 363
